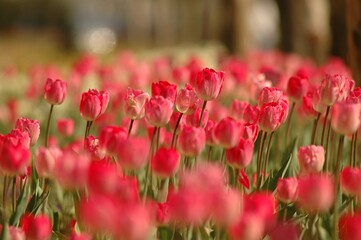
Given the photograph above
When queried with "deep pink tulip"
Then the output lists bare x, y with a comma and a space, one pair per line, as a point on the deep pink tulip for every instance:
346, 117
17, 136
158, 111
285, 231
65, 126
297, 87
32, 127
165, 162
311, 159
165, 89
137, 221
227, 132
208, 84
111, 137
249, 227
349, 226
227, 207
287, 190
103, 177
72, 169
132, 153
36, 227
241, 155
55, 91
15, 157
98, 212
15, 233
93, 104
315, 193
350, 181
191, 141
187, 101
134, 102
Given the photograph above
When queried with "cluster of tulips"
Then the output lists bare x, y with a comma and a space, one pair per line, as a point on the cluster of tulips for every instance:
262, 148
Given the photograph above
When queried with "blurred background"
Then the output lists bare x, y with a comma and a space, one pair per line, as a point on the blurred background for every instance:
54, 31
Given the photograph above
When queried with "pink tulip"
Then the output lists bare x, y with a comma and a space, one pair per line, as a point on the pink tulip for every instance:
164, 89
165, 162
65, 126
250, 131
272, 115
249, 227
287, 190
335, 88
187, 101
111, 137
193, 119
237, 109
93, 148
93, 104
311, 159
349, 226
36, 227
103, 177
45, 161
158, 111
32, 127
315, 193
55, 91
132, 153
241, 155
191, 141
346, 117
227, 207
72, 169
251, 114
297, 87
227, 132
269, 95
350, 181
14, 158
134, 103
208, 84
210, 140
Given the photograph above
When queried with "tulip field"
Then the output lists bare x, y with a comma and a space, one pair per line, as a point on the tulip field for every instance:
260, 147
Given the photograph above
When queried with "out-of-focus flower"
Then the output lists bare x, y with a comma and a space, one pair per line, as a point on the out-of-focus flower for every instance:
32, 127
311, 159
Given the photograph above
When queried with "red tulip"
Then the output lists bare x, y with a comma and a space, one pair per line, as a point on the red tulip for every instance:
208, 84
311, 159
36, 227
287, 190
165, 162
65, 126
93, 104
158, 111
191, 140
32, 127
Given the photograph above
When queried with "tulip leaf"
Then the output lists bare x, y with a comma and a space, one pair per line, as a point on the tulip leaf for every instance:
5, 232
271, 181
21, 204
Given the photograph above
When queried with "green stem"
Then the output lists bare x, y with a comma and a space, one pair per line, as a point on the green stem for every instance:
354, 151
209, 153
48, 126
175, 129
324, 125
268, 152
336, 186
259, 160
130, 127
147, 173
203, 108
314, 129
289, 121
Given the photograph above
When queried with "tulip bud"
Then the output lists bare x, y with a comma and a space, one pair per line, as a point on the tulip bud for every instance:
191, 140
208, 84
36, 227
227, 132
55, 91
134, 103
158, 111
32, 127
287, 189
93, 104
165, 162
241, 155
346, 117
311, 159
